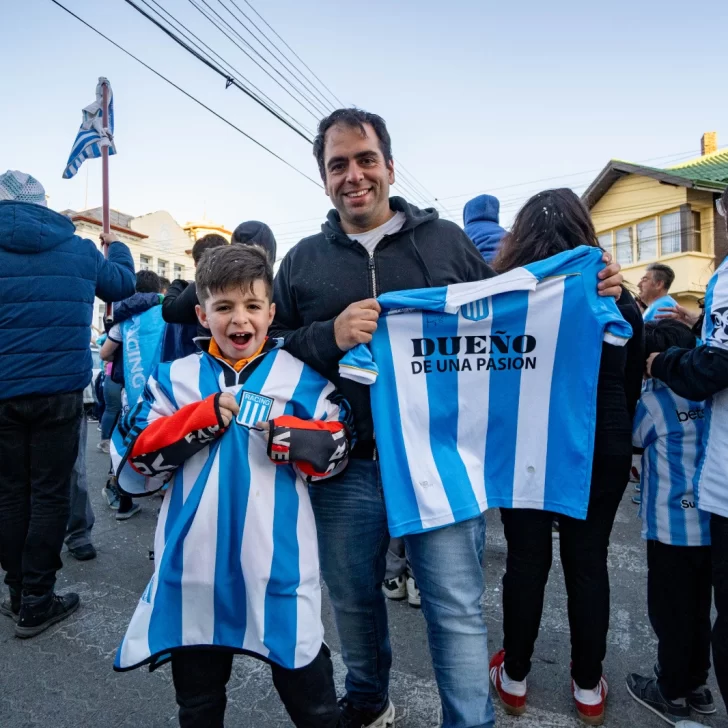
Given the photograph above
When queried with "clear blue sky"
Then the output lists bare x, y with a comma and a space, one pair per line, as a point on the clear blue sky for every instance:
477, 95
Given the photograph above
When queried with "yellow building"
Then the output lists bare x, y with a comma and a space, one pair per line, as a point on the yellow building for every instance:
645, 214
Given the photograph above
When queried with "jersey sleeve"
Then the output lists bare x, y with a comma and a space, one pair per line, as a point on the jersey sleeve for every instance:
115, 334
643, 431
715, 325
358, 365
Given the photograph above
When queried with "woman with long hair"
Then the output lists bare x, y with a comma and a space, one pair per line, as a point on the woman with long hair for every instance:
549, 223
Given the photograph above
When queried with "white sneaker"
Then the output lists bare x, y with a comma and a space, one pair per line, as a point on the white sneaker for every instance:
413, 593
395, 588
104, 447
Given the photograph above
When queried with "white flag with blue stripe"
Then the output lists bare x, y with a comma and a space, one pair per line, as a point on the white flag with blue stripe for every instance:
92, 137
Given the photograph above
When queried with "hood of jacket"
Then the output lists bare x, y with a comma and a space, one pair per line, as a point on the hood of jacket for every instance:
29, 228
254, 232
414, 217
481, 216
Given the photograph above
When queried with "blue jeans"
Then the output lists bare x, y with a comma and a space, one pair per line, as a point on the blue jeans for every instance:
353, 539
112, 400
81, 519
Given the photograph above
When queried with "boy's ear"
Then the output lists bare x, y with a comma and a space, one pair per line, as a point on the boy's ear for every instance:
202, 316
271, 313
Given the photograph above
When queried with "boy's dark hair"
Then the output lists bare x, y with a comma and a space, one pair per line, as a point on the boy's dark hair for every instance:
662, 274
661, 335
164, 283
355, 119
206, 242
233, 266
147, 281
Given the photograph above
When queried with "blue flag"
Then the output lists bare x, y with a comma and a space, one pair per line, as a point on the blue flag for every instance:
92, 137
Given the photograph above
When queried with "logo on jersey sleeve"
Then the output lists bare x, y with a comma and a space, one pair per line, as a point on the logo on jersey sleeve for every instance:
475, 310
719, 319
254, 408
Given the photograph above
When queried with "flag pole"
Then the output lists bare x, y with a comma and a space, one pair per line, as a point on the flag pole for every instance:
106, 213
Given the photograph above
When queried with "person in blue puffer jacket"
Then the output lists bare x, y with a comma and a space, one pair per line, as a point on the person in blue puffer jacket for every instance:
48, 279
481, 219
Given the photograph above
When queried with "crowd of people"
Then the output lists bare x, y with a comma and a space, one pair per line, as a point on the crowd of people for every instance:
284, 450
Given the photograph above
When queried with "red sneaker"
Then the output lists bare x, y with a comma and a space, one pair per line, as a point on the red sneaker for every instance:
591, 713
512, 704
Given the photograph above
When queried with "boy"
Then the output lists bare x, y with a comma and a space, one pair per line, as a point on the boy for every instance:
236, 560
679, 592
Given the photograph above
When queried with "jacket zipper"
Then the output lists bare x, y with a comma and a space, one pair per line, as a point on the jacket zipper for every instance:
373, 274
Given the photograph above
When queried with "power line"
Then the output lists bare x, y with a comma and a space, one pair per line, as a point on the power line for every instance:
186, 93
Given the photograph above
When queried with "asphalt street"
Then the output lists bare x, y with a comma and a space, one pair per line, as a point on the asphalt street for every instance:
64, 679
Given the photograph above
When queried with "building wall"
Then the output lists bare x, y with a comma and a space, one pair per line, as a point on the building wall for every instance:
165, 245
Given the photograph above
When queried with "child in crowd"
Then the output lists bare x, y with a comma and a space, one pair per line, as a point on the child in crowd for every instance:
241, 429
679, 591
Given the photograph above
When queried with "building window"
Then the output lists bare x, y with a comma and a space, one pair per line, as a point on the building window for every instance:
697, 237
145, 262
179, 271
605, 241
162, 267
670, 233
647, 240
624, 245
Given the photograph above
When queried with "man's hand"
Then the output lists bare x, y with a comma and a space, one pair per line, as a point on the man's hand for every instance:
611, 279
108, 238
356, 324
650, 360
678, 313
228, 407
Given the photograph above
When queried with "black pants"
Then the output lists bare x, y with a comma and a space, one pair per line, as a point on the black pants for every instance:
583, 547
719, 554
200, 677
38, 447
679, 597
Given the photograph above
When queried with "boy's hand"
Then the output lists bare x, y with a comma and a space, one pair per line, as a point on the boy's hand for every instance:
228, 407
611, 278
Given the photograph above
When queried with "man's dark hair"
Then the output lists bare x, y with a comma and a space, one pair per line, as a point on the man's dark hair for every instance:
233, 266
549, 223
147, 281
206, 242
164, 283
662, 274
355, 119
661, 335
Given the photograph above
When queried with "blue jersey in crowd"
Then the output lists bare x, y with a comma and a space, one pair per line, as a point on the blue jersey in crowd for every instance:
670, 429
485, 392
654, 308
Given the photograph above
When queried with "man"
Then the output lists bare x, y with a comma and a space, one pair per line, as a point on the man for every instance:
481, 219
702, 374
325, 295
654, 285
48, 279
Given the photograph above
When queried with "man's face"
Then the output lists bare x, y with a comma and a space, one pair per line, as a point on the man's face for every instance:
650, 289
357, 177
238, 319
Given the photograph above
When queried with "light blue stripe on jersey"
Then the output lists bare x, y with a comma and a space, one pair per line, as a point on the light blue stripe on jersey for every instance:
649, 493
573, 389
442, 391
703, 516
509, 313
388, 426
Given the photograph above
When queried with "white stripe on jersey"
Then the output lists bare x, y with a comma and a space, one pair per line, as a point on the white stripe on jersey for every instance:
428, 488
533, 422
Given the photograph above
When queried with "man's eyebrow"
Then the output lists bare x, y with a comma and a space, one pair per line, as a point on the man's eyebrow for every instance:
358, 155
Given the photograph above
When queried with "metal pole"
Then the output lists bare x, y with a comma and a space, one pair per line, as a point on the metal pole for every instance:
106, 213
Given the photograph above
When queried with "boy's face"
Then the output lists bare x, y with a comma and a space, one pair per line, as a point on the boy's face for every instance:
238, 319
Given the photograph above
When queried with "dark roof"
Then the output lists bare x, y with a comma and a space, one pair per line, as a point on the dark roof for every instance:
709, 172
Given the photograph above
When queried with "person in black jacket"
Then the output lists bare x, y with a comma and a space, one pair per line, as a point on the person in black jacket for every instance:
325, 295
549, 223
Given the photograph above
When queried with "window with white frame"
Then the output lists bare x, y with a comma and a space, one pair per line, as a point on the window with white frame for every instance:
605, 241
162, 267
647, 239
670, 233
145, 262
624, 238
179, 271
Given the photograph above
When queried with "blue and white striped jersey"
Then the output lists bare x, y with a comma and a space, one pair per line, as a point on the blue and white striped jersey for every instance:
486, 392
712, 485
670, 429
236, 557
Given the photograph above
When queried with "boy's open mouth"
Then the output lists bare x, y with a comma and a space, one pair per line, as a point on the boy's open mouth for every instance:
241, 340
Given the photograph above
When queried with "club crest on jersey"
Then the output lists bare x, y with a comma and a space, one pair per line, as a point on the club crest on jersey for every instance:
254, 408
719, 319
475, 310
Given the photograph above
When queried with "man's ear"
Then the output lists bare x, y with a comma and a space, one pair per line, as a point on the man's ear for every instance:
202, 316
390, 169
